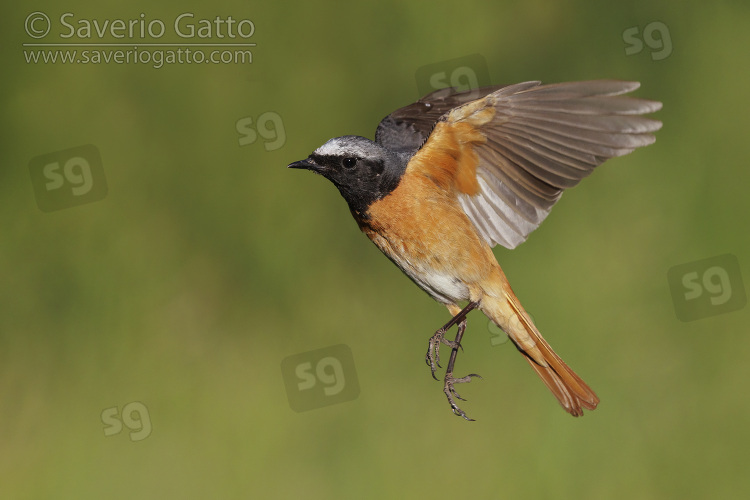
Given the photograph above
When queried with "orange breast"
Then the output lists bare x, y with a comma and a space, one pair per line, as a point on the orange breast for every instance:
421, 226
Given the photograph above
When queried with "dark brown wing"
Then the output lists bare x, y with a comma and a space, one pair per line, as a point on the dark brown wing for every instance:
407, 128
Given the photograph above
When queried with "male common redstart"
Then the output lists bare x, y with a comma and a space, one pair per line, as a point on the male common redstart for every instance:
456, 173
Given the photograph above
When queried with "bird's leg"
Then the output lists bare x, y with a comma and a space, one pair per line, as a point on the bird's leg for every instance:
450, 380
433, 351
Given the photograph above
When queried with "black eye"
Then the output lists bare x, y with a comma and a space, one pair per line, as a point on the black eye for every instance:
349, 162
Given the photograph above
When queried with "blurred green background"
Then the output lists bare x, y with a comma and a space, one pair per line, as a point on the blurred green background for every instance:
208, 262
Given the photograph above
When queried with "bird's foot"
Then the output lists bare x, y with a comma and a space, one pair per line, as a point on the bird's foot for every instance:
450, 392
433, 350
432, 358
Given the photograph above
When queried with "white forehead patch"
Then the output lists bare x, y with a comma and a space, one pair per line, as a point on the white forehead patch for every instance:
348, 145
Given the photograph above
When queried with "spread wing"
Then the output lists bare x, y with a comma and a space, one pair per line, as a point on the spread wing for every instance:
520, 146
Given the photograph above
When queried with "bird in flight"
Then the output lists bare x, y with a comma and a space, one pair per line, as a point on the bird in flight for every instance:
456, 173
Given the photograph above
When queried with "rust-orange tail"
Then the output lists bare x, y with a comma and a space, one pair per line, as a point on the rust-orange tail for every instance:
572, 392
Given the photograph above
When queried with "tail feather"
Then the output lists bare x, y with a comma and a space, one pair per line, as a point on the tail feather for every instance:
572, 392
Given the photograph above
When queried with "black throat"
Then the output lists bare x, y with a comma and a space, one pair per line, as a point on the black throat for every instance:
372, 180
361, 197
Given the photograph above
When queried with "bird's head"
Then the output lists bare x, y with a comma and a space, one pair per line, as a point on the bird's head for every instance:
362, 170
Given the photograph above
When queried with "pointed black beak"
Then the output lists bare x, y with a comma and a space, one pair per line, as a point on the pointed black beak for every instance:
307, 164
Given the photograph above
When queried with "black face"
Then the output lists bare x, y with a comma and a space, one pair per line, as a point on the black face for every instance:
363, 171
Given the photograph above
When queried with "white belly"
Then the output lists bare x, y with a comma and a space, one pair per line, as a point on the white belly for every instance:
441, 287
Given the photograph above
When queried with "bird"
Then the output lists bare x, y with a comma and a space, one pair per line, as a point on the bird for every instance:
458, 172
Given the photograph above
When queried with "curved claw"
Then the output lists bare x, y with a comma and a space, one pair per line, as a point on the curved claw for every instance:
450, 391
460, 413
432, 359
452, 344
